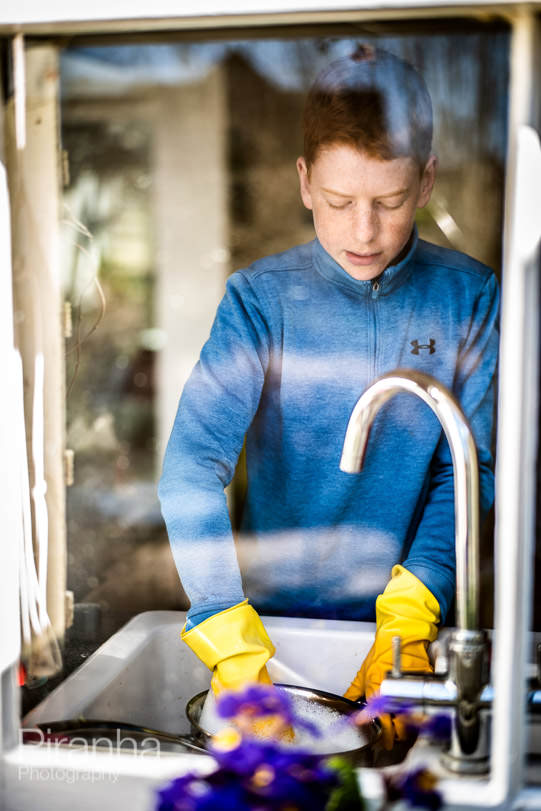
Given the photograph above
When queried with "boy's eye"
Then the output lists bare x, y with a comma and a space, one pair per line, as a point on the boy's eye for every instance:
390, 205
341, 205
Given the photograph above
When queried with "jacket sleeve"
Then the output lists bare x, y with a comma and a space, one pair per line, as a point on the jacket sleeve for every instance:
431, 555
217, 405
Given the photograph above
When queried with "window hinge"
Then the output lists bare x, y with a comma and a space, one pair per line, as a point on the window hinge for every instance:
69, 465
68, 320
65, 168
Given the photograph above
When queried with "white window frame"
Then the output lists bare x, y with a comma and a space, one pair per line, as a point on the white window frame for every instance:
519, 361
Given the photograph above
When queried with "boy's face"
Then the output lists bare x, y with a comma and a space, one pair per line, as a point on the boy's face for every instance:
363, 207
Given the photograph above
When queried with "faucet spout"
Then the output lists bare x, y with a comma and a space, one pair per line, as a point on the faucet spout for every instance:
468, 670
465, 468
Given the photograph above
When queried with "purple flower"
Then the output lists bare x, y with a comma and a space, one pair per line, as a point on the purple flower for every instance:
220, 791
294, 780
438, 727
257, 700
262, 700
227, 794
260, 775
244, 758
254, 776
251, 754
182, 794
383, 705
416, 788
378, 705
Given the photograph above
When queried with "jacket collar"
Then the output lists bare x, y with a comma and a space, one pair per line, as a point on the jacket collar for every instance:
392, 277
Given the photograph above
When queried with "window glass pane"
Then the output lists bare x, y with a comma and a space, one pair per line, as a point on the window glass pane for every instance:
182, 169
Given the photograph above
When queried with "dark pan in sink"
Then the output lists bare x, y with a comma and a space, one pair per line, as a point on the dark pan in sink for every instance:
329, 711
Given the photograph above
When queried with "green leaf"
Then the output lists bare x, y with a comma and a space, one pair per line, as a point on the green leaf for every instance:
346, 797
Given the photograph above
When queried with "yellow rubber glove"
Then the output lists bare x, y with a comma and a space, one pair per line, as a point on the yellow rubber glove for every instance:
234, 645
409, 610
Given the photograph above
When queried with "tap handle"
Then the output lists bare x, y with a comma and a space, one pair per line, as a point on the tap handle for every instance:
396, 671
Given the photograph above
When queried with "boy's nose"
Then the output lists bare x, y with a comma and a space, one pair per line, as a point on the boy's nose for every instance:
366, 226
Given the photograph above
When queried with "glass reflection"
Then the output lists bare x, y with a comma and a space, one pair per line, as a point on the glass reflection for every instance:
182, 161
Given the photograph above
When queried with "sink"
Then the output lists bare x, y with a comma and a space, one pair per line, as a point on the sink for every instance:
145, 675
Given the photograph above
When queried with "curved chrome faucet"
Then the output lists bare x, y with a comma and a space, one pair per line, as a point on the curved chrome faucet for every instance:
465, 467
468, 661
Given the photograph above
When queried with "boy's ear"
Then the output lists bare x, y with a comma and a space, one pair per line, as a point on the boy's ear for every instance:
427, 181
304, 181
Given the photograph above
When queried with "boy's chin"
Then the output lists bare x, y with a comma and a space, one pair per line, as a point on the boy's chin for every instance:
362, 273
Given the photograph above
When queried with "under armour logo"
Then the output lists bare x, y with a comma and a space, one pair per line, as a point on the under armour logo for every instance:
431, 346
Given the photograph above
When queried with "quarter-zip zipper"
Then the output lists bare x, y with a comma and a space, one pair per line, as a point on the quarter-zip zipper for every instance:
376, 286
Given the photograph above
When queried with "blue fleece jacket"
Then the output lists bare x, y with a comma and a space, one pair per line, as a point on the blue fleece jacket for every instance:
295, 342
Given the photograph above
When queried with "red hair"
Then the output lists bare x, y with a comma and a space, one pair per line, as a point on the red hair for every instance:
372, 101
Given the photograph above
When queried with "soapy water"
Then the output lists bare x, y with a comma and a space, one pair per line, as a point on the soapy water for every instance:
336, 732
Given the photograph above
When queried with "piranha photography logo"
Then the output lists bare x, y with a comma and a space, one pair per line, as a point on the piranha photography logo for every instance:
59, 747
64, 774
